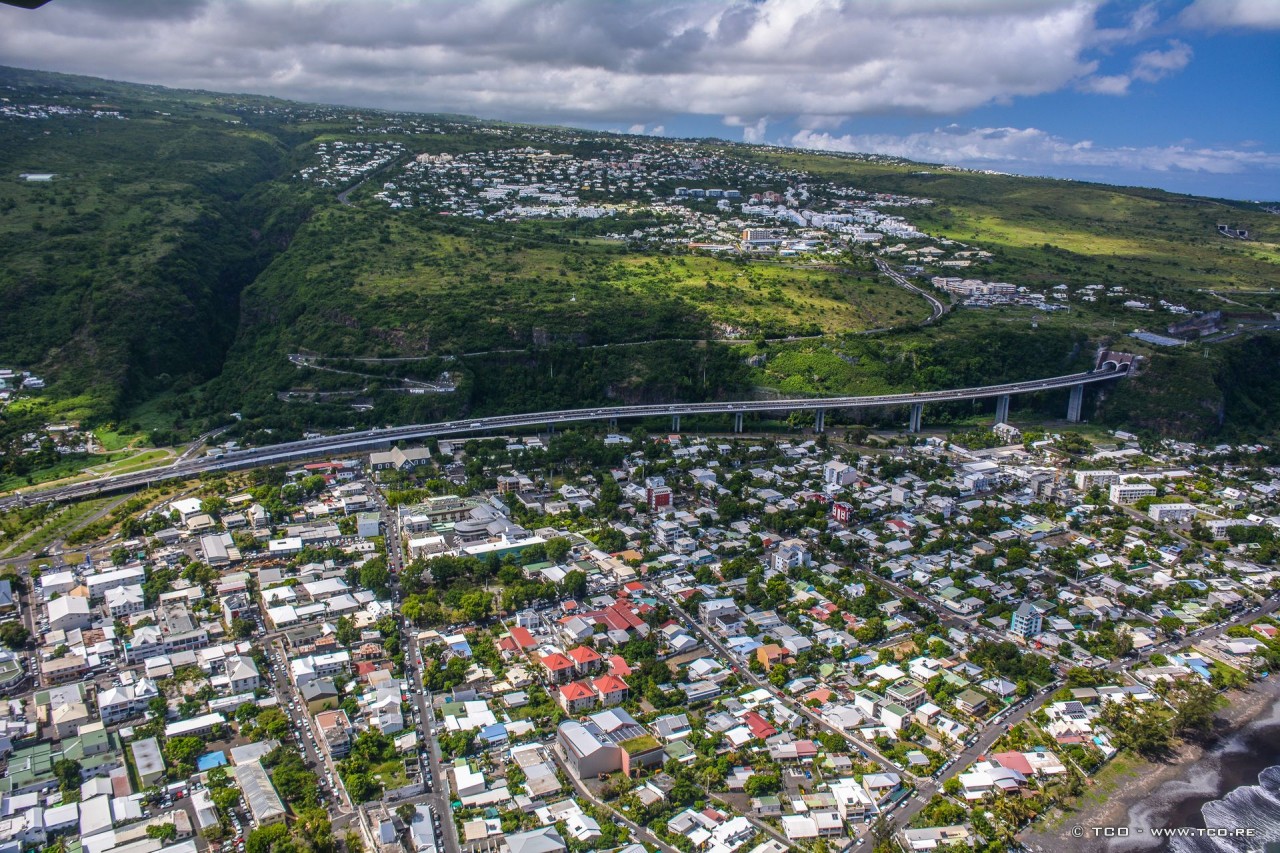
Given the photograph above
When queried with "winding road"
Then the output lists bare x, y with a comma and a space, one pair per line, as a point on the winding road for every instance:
937, 308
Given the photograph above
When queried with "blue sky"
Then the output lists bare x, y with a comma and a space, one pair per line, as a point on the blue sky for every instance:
1179, 94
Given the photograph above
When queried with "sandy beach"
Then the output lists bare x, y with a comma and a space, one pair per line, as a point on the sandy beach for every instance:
1141, 794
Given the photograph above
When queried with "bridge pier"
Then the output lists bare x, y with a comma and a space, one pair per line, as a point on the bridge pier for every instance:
613, 424
917, 416
737, 421
1002, 409
819, 420
1075, 404
551, 429
675, 423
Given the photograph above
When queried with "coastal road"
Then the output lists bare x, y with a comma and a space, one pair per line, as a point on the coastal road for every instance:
991, 732
1268, 607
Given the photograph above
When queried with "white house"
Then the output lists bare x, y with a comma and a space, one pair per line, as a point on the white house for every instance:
68, 613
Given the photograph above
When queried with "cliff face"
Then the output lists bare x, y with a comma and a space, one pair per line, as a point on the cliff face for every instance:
1224, 391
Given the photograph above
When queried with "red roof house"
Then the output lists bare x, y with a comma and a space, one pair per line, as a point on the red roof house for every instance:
523, 638
611, 690
559, 667
575, 697
618, 666
585, 659
758, 725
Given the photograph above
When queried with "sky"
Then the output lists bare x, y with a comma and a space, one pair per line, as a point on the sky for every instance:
1177, 94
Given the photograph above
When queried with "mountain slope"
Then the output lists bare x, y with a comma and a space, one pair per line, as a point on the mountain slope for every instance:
190, 243
121, 275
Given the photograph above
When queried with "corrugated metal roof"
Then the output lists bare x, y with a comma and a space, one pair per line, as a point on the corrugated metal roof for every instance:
264, 802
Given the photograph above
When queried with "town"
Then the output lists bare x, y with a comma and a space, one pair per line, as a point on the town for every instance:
643, 641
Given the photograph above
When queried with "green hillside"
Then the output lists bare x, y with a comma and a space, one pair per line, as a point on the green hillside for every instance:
121, 275
189, 243
1042, 229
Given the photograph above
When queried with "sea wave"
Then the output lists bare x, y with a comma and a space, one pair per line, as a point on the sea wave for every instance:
1170, 807
1255, 807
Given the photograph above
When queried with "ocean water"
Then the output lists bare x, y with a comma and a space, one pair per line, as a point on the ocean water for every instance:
1235, 786
1252, 806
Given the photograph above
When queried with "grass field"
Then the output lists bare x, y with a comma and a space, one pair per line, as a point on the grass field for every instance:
1158, 243
112, 438
760, 295
57, 526
390, 774
141, 461
66, 467
563, 287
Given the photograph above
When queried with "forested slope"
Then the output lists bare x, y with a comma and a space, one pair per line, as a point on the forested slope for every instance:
178, 258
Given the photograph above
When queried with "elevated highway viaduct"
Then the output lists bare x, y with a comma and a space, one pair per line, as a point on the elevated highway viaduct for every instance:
1110, 367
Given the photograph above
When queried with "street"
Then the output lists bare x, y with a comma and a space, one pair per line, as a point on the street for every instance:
437, 795
582, 791
751, 678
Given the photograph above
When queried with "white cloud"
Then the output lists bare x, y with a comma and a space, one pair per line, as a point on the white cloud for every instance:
1154, 65
752, 131
1106, 84
1030, 149
626, 61
1226, 14
1150, 66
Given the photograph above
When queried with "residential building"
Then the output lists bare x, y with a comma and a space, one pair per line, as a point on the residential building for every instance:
68, 613
242, 672
575, 697
1086, 480
770, 655
64, 669
124, 601
148, 761
586, 751
838, 473
971, 702
560, 669
907, 693
791, 554
1127, 493
119, 703
542, 840
264, 803
658, 497
1026, 621
335, 731
611, 690
1174, 512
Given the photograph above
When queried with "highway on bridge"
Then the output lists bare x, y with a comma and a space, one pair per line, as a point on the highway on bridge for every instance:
375, 439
